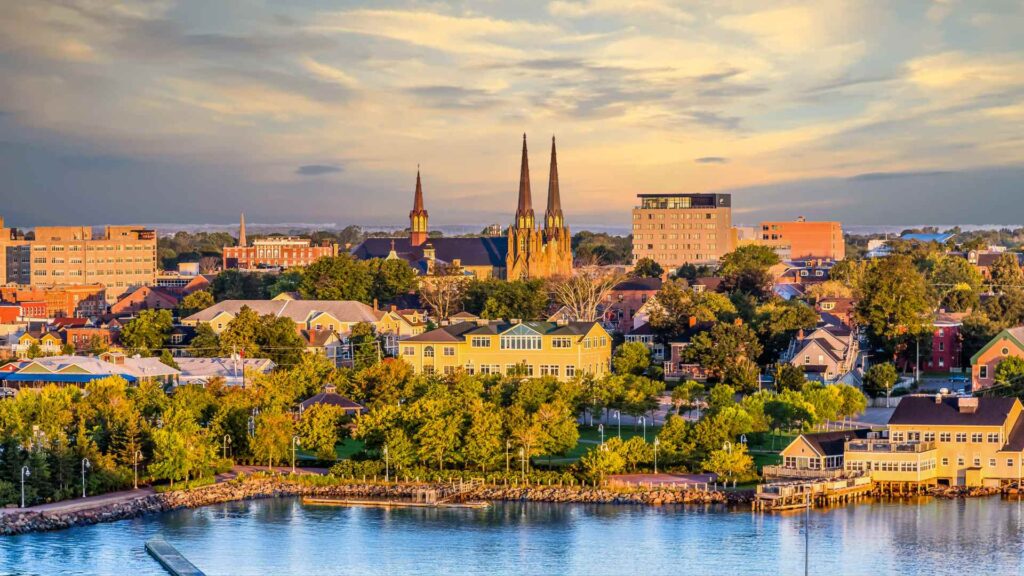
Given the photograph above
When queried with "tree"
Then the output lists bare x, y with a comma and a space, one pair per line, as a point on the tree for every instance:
583, 292
636, 451
727, 352
732, 463
745, 270
444, 291
340, 277
1010, 372
391, 278
182, 449
850, 273
97, 345
956, 282
676, 309
241, 335
1006, 272
238, 285
272, 442
287, 281
686, 395
67, 349
34, 351
194, 302
364, 345
147, 332
647, 268
205, 343
676, 442
777, 322
880, 379
278, 341
789, 377
829, 289
894, 305
631, 358
319, 429
600, 461
484, 446
167, 359
523, 299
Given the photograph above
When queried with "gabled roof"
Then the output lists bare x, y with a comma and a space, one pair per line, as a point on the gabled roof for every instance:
923, 410
833, 443
318, 338
462, 330
638, 284
474, 251
208, 367
333, 399
1015, 335
298, 311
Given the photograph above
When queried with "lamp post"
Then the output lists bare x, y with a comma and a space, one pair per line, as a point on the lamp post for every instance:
227, 440
643, 422
508, 446
656, 442
600, 428
85, 464
727, 446
24, 472
135, 465
387, 466
618, 418
522, 459
295, 442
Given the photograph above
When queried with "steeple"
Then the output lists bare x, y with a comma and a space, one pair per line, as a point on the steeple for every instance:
524, 213
241, 231
418, 216
553, 217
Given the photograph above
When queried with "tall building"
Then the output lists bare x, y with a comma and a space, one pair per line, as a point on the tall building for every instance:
802, 240
677, 229
526, 251
273, 252
119, 258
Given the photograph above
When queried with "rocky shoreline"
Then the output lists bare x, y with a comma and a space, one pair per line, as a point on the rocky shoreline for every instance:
266, 486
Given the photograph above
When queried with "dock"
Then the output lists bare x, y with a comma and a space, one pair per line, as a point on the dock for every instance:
799, 494
173, 561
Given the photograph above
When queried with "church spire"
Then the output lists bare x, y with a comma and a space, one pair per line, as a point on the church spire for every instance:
524, 213
241, 231
418, 216
553, 217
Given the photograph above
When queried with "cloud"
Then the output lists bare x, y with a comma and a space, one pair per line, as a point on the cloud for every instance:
876, 176
317, 169
453, 97
711, 160
588, 8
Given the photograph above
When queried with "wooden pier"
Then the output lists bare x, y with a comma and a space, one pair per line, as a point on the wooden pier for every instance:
798, 494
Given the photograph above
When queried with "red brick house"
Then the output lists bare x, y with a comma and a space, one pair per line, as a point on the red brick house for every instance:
145, 298
947, 343
82, 337
625, 299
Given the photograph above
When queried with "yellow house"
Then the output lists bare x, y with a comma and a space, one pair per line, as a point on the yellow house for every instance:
952, 441
531, 349
815, 455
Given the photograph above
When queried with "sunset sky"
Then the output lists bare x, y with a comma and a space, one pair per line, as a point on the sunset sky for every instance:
870, 112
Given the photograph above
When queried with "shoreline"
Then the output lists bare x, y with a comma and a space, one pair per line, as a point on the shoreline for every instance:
261, 485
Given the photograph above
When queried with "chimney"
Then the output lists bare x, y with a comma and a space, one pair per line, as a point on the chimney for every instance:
967, 405
375, 304
516, 320
393, 308
738, 322
692, 321
330, 388
482, 322
938, 398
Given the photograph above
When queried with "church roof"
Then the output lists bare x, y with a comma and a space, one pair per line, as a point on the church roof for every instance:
475, 251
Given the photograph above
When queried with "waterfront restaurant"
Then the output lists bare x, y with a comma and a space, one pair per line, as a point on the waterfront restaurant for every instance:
816, 455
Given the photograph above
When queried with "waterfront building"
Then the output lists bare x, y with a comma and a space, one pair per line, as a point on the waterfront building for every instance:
119, 257
527, 250
274, 252
531, 349
677, 229
1007, 343
815, 455
80, 370
944, 440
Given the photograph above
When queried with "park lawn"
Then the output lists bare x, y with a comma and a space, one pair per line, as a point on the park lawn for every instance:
345, 450
770, 443
590, 437
762, 460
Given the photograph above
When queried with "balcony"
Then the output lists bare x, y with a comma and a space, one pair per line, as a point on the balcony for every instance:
784, 472
889, 446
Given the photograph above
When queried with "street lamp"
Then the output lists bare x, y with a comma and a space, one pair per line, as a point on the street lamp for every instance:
727, 446
618, 418
135, 464
522, 458
387, 467
295, 442
508, 446
643, 421
24, 472
656, 443
600, 428
85, 464
227, 440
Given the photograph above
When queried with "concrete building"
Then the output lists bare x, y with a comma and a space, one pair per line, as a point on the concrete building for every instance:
676, 229
803, 240
530, 349
118, 258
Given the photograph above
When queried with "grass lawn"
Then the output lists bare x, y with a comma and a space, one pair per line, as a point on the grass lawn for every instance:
770, 442
590, 437
344, 450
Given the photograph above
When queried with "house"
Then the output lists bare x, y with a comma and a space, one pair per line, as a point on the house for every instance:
947, 343
145, 298
1007, 343
840, 309
826, 354
707, 284
331, 397
983, 260
644, 334
84, 338
625, 299
815, 455
943, 440
232, 370
533, 348
180, 338
327, 343
9, 313
676, 367
80, 370
49, 341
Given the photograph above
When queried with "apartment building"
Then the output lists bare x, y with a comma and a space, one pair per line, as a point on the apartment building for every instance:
803, 240
118, 258
677, 229
950, 441
529, 349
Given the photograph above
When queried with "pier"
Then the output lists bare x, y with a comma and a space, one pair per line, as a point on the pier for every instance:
173, 561
778, 496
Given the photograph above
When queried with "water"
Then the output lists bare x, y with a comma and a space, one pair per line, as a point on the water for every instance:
280, 537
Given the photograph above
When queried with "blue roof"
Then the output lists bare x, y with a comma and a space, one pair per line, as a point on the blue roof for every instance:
59, 378
940, 238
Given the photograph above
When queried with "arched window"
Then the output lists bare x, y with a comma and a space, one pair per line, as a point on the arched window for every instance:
428, 352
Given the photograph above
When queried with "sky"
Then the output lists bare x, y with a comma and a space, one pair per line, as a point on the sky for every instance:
312, 111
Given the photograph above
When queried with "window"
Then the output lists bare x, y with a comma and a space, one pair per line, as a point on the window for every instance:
945, 461
561, 342
897, 436
961, 436
428, 369
977, 460
408, 351
517, 342
570, 371
1005, 351
1009, 462
992, 462
469, 369
983, 372
959, 460
449, 350
914, 436
480, 342
428, 352
976, 437
449, 370
929, 436
944, 436
993, 437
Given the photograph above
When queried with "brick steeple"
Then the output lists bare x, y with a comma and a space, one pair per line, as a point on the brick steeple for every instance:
553, 219
524, 213
418, 216
241, 231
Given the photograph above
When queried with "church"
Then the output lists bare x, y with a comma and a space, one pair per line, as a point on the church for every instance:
525, 251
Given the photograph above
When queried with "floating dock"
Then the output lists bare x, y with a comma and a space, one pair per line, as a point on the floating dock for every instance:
799, 494
173, 561
312, 501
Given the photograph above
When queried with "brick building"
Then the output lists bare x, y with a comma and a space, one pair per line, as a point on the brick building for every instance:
87, 300
273, 252
801, 240
947, 343
676, 229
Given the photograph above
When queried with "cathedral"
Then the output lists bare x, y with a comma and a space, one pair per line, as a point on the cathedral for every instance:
526, 251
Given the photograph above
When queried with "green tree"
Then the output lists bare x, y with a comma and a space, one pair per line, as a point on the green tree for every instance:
631, 358
675, 442
745, 270
957, 283
894, 306
600, 461
880, 379
1010, 372
34, 351
484, 446
205, 343
272, 442
647, 268
733, 463
678, 308
287, 281
391, 278
194, 302
727, 352
238, 285
97, 345
365, 347
147, 332
167, 359
686, 396
1006, 272
340, 277
777, 322
789, 377
523, 299
319, 429
278, 341
241, 335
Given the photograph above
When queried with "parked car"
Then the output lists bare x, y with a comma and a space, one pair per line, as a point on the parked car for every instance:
958, 378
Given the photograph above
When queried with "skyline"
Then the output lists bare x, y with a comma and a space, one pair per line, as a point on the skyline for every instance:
182, 112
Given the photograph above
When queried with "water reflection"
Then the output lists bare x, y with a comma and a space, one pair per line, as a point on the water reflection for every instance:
281, 536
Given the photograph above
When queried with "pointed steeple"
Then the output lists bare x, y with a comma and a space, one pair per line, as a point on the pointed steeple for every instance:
553, 216
241, 231
524, 213
418, 216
